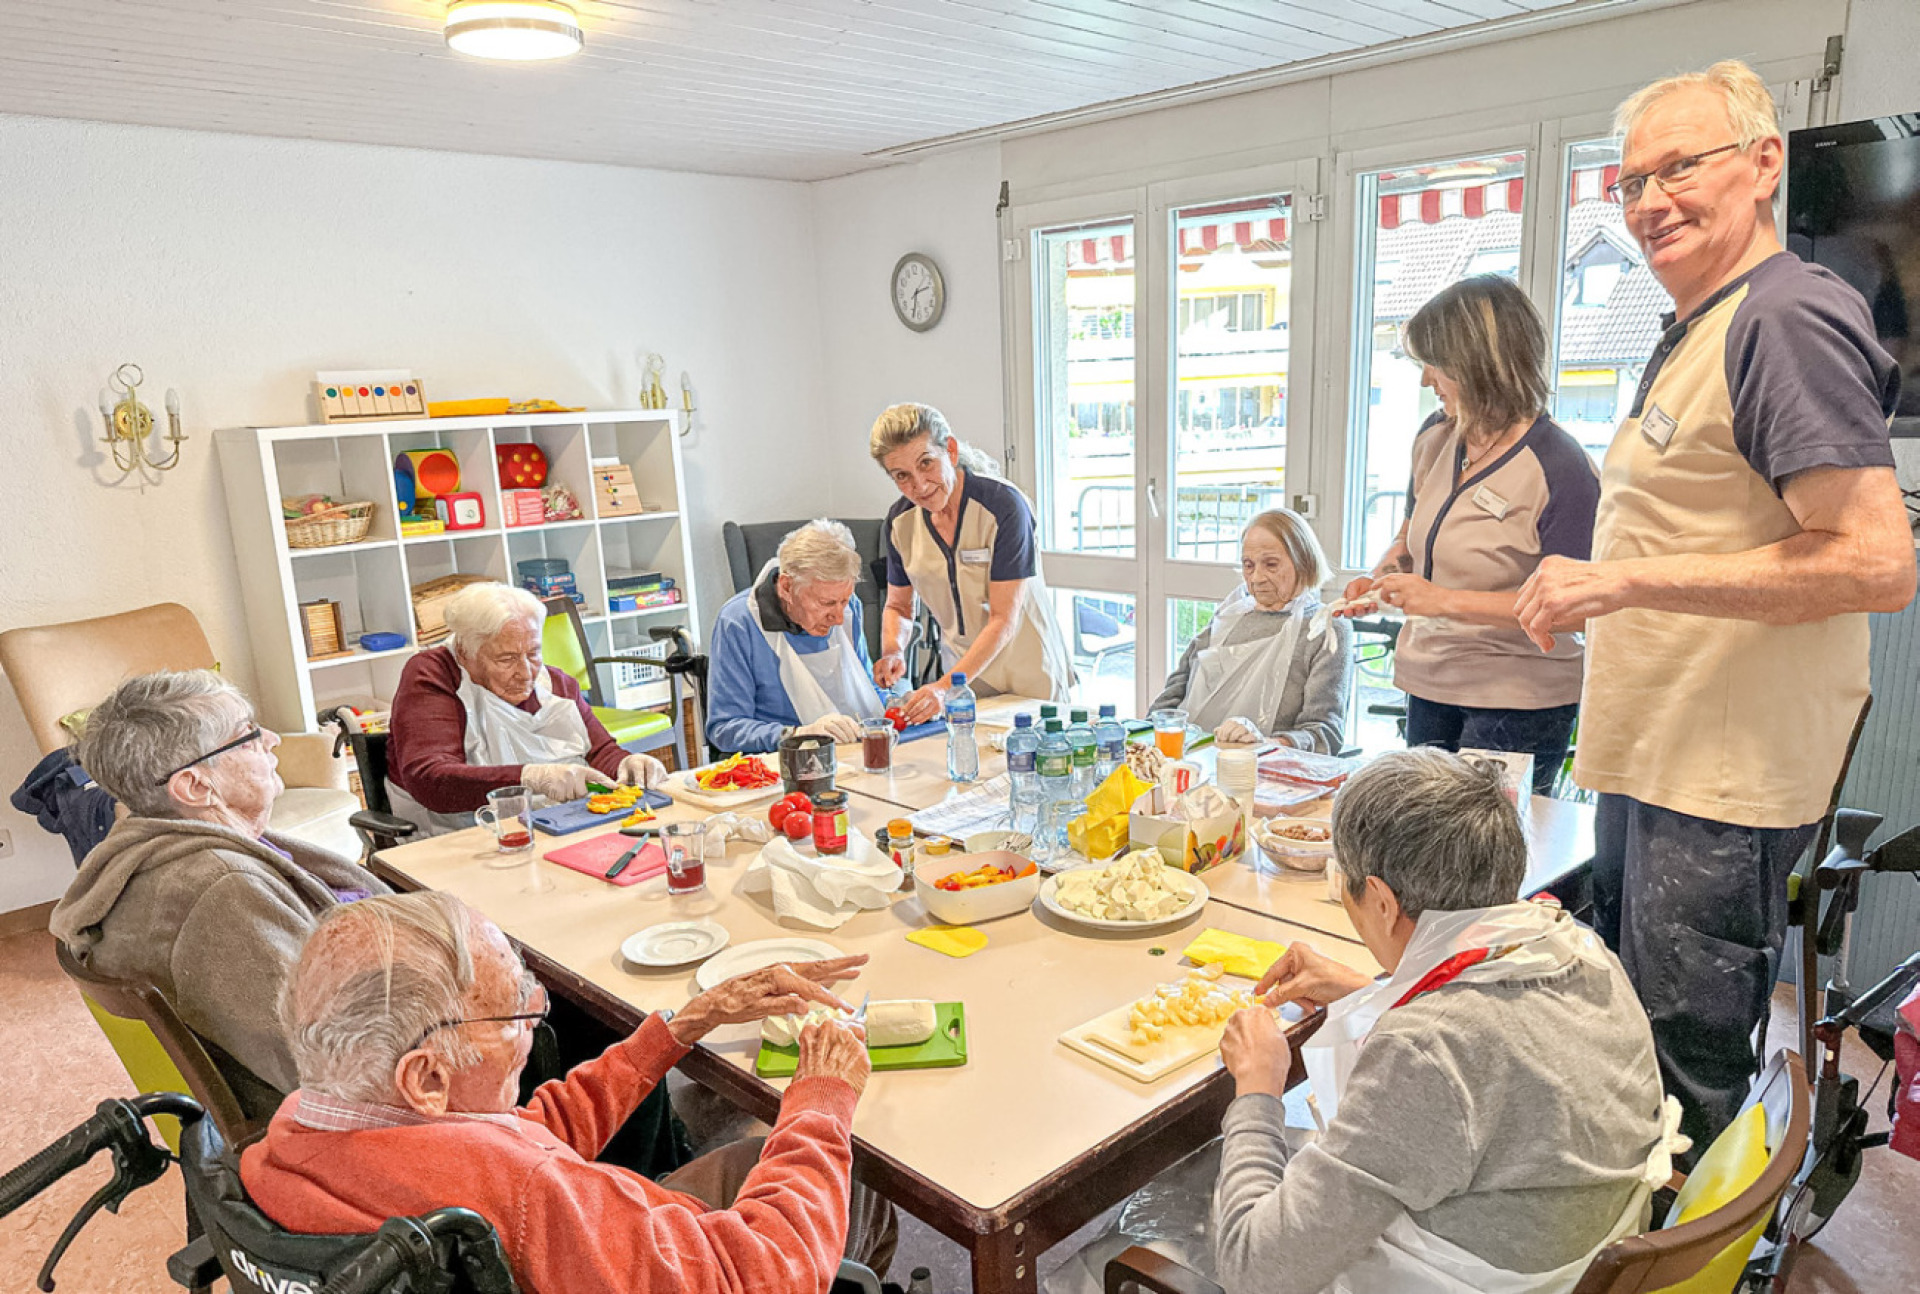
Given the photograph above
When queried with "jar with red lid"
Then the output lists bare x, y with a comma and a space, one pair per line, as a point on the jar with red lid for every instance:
830, 822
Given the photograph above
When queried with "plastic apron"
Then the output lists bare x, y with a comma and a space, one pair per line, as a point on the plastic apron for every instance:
1249, 679
499, 732
821, 683
1536, 940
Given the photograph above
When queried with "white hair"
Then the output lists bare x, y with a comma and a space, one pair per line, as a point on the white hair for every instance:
479, 611
1750, 111
149, 726
821, 551
902, 424
372, 982
1436, 828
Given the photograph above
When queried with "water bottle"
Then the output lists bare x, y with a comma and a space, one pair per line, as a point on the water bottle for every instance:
963, 752
1110, 744
1085, 754
1023, 770
1055, 764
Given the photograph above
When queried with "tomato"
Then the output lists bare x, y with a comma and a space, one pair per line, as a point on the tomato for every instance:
897, 717
777, 814
798, 825
798, 800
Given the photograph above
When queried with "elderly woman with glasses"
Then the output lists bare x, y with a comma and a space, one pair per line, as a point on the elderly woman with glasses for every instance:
189, 892
481, 712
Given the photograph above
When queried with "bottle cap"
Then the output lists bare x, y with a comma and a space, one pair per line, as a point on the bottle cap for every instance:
1079, 715
1048, 710
1107, 712
1023, 721
1053, 725
959, 679
899, 827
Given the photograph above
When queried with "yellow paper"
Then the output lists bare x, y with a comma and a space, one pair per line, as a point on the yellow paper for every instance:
1236, 954
954, 941
1102, 830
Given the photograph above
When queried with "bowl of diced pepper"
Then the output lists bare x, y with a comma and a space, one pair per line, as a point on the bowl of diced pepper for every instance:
963, 889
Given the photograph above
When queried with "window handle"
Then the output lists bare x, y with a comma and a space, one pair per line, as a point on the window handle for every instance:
1153, 496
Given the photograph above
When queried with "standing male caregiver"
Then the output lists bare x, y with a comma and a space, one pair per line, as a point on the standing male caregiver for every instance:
1748, 520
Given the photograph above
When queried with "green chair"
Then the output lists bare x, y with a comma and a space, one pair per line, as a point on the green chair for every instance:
563, 645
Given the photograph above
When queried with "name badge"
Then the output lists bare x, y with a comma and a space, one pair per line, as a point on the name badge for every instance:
1487, 501
976, 556
1658, 425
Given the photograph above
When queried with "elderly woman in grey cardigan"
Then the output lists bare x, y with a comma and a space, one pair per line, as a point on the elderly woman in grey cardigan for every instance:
188, 892
1263, 669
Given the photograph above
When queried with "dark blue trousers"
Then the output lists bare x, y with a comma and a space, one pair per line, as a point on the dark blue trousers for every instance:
1541, 733
1697, 911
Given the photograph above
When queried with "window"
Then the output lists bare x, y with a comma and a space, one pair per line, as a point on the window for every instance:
1099, 631
1610, 303
1425, 227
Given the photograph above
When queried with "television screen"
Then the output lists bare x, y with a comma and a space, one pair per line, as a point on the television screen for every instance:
1853, 205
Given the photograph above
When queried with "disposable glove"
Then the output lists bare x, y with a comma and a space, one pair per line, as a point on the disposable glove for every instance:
841, 729
558, 782
643, 771
1237, 732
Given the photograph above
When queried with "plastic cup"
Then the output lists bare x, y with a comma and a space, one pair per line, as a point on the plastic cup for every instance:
1170, 732
509, 812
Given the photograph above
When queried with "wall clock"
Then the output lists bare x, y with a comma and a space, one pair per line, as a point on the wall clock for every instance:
919, 293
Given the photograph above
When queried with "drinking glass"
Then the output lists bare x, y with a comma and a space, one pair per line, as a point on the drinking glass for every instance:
876, 745
1170, 732
509, 811
686, 846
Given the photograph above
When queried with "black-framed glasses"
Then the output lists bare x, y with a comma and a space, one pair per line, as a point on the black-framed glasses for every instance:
532, 1019
1674, 177
252, 734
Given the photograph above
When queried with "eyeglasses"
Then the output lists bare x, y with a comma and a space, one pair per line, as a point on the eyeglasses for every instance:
532, 1019
1676, 176
252, 734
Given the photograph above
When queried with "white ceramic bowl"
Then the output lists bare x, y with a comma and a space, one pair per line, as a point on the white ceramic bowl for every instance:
1295, 855
970, 907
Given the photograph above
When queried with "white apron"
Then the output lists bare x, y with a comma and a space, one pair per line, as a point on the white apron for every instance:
1249, 679
820, 683
1542, 939
501, 733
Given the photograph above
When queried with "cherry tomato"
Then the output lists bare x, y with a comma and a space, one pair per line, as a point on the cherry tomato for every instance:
798, 825
898, 718
777, 813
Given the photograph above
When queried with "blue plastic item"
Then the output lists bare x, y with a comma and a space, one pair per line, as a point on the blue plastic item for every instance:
565, 819
382, 641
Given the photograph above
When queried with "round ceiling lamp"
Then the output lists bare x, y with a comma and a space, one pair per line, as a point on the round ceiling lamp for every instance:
516, 30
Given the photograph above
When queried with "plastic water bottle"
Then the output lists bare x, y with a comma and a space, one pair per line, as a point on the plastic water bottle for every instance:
1085, 754
1110, 744
963, 751
1023, 770
1055, 764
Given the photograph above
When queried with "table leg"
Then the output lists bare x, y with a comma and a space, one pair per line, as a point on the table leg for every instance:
1005, 1261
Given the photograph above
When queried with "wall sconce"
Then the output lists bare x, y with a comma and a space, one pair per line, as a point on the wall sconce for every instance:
130, 423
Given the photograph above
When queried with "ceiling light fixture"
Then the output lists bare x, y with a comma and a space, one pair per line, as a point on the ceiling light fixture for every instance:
517, 30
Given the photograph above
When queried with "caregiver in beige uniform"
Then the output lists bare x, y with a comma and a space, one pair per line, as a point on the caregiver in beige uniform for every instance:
962, 541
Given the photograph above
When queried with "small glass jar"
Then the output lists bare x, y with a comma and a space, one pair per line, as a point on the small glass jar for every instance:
830, 822
900, 842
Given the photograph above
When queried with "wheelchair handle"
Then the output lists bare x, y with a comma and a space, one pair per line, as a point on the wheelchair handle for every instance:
114, 1123
405, 1245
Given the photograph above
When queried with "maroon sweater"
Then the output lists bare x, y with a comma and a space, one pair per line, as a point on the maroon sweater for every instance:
427, 753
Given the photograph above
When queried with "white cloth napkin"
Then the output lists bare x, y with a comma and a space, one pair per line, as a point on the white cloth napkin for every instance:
823, 892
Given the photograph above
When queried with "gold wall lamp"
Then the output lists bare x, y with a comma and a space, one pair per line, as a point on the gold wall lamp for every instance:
130, 423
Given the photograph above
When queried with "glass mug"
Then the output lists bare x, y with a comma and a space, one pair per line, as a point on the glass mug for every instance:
876, 745
509, 811
1170, 732
686, 847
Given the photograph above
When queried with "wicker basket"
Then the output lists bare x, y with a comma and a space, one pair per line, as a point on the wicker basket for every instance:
345, 523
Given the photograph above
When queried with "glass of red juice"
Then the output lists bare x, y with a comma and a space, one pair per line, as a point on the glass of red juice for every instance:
876, 745
686, 846
509, 811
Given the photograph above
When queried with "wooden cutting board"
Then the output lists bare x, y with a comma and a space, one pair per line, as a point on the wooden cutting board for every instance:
946, 1049
1107, 1039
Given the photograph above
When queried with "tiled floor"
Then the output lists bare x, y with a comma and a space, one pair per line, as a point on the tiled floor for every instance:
55, 1066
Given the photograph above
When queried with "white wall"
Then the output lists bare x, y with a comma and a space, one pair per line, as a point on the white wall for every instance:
862, 225
232, 268
1880, 69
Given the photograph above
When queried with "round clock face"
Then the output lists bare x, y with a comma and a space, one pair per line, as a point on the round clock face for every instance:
919, 293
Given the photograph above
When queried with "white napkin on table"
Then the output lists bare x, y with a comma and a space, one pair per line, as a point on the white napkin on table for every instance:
823, 892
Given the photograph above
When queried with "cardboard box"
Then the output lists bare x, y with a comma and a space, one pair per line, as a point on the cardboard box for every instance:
522, 507
1190, 846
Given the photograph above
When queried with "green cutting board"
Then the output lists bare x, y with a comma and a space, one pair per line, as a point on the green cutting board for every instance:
947, 1048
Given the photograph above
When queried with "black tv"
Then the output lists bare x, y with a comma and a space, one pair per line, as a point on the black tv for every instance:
1853, 205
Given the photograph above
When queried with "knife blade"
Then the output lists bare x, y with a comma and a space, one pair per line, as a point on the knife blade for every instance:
860, 1016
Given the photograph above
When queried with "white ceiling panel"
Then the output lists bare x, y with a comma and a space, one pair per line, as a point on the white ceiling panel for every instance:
790, 89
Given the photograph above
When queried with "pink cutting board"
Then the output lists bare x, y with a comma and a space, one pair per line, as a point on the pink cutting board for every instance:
593, 858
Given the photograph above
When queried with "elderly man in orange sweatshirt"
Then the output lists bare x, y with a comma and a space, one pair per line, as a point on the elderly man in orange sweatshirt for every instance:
410, 1017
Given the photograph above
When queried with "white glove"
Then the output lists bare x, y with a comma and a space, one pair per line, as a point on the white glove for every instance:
1237, 732
558, 782
842, 729
643, 771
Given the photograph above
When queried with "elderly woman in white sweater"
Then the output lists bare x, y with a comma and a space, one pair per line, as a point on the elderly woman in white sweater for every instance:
1263, 670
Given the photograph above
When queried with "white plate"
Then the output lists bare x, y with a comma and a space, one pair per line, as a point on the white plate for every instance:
762, 952
1196, 900
674, 943
683, 785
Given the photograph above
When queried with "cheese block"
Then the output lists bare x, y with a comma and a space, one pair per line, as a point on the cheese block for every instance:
907, 1022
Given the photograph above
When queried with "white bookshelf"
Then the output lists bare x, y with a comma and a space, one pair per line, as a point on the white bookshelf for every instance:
372, 580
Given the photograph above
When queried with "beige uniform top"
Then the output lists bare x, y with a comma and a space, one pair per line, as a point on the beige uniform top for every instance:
1733, 720
995, 541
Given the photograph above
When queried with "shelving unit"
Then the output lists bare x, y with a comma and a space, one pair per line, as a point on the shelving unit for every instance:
372, 580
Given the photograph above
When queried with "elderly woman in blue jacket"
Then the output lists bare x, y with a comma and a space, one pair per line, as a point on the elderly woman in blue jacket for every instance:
788, 655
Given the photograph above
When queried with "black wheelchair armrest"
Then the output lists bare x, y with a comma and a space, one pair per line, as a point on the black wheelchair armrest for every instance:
368, 822
854, 1278
195, 1267
1147, 1270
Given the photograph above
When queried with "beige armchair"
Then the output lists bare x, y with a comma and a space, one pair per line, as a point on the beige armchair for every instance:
57, 670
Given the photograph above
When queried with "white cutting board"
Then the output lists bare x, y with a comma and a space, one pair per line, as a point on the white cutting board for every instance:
1107, 1039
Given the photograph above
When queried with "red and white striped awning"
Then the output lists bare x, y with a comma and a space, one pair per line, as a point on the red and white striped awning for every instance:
1201, 237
